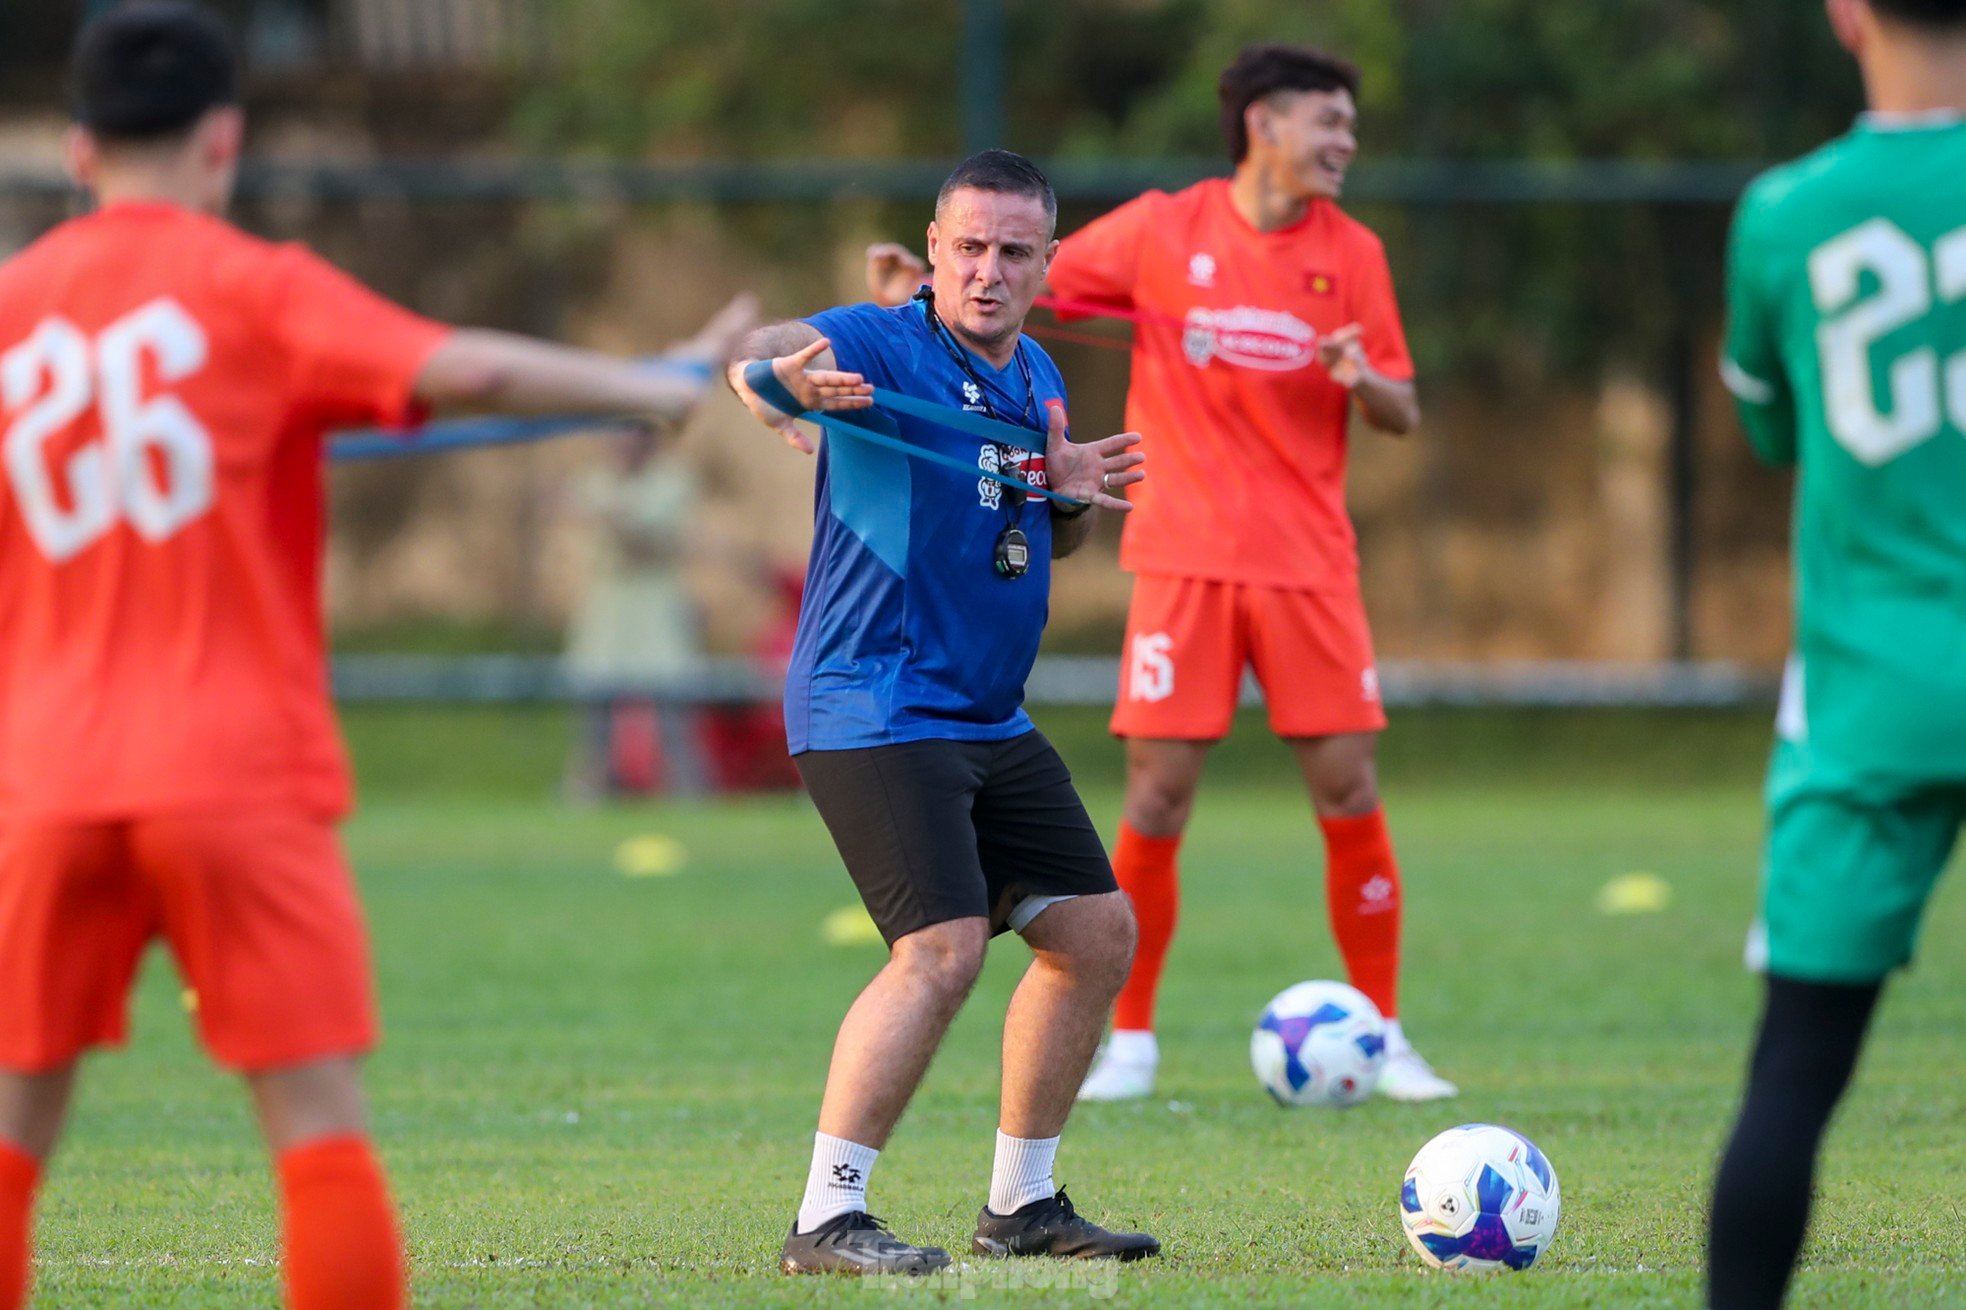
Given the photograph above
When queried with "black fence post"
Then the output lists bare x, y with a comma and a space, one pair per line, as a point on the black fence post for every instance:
981, 56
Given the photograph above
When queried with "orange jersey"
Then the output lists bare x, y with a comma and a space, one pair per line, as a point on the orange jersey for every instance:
165, 385
1243, 430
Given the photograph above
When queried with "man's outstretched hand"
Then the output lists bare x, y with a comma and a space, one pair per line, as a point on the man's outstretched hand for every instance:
1091, 470
820, 388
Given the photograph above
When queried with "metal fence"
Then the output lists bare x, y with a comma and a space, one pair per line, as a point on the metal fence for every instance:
1058, 680
1599, 182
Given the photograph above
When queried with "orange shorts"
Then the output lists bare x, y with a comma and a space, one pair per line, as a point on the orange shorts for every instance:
1188, 641
257, 907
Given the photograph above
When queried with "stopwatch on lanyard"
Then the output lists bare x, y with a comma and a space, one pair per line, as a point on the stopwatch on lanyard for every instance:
1012, 555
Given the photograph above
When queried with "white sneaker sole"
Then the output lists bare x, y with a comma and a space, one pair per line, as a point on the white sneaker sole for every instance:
1105, 1084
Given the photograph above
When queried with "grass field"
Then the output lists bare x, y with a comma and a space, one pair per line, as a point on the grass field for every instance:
599, 1090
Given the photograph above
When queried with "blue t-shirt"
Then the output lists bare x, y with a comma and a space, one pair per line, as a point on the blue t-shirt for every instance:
908, 632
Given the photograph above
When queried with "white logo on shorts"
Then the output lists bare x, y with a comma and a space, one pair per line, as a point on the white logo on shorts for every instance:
1368, 684
1152, 677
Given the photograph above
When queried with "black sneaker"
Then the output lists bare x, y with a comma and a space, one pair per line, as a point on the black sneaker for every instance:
857, 1243
1053, 1227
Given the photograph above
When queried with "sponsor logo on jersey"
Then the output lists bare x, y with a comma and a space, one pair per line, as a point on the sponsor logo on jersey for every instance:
1267, 339
1025, 465
1201, 270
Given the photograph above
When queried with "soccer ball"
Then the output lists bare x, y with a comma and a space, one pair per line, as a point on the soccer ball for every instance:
1319, 1043
1480, 1197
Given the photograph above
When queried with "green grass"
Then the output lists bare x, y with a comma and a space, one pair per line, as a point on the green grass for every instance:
599, 1091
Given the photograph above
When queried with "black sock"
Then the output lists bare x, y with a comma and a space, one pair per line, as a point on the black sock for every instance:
1803, 1058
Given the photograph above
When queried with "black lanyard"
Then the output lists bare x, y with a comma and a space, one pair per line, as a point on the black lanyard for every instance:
1012, 555
1027, 418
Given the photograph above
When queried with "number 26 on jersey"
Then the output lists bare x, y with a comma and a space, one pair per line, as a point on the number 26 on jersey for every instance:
152, 466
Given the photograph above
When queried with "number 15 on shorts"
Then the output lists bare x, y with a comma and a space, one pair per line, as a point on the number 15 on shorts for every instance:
1150, 676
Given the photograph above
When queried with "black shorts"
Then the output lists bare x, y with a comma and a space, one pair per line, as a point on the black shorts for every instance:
939, 830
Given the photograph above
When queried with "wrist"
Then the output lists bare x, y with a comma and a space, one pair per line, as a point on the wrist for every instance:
761, 380
1069, 512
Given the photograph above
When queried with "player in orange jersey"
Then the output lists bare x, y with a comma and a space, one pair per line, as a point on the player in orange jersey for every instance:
169, 762
1263, 314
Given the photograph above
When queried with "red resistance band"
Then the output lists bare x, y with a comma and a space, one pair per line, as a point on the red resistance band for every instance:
1067, 310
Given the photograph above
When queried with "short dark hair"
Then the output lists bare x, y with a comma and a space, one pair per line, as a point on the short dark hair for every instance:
1934, 15
1262, 70
150, 69
1001, 171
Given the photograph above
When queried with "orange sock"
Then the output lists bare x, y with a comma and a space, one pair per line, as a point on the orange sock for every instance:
341, 1246
1361, 887
20, 1174
1147, 873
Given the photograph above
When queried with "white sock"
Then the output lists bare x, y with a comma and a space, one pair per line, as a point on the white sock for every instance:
1023, 1172
1133, 1046
837, 1184
1395, 1038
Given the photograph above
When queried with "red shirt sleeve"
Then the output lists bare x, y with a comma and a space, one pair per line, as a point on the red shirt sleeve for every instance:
1101, 261
355, 356
1375, 309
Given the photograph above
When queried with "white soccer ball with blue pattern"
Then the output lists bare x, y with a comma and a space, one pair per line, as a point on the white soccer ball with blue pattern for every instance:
1480, 1197
1319, 1043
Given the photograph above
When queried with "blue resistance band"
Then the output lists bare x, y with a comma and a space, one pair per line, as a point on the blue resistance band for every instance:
471, 433
859, 424
460, 434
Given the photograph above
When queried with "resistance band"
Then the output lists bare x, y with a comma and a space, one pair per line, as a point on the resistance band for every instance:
1064, 306
859, 424
471, 433
462, 434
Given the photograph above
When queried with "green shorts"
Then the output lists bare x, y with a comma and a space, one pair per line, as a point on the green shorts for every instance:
1850, 865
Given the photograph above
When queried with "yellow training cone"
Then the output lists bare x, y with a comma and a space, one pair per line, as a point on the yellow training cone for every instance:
849, 926
650, 856
1634, 893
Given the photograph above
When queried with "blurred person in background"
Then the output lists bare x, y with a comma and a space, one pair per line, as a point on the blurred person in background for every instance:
746, 743
170, 765
1264, 316
1846, 353
636, 625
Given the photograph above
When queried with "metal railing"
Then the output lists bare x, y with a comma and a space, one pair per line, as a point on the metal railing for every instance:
1410, 181
1061, 680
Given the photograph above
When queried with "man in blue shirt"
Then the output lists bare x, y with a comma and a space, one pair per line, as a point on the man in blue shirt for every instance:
927, 594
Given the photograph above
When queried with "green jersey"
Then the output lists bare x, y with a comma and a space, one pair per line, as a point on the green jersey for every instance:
1846, 349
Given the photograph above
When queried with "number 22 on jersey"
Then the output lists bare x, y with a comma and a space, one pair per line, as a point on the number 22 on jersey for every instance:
153, 466
1918, 384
